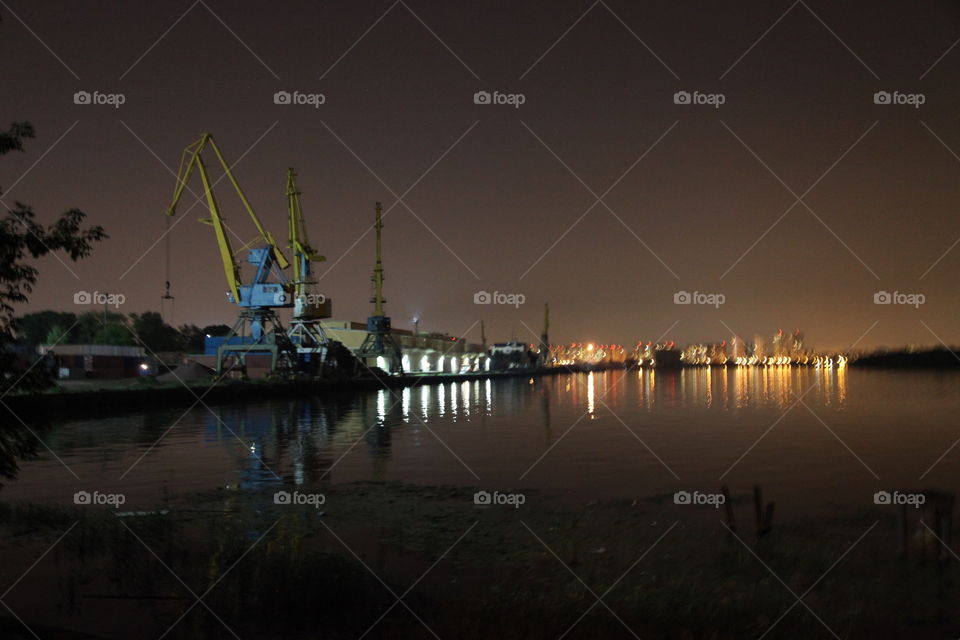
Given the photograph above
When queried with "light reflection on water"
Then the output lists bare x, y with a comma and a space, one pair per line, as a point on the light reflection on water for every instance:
814, 436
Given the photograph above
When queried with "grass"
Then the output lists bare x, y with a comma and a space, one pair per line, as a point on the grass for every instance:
499, 580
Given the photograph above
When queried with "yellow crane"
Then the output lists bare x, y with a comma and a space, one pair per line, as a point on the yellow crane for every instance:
258, 298
309, 307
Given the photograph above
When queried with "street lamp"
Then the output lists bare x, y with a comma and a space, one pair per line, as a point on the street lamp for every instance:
416, 325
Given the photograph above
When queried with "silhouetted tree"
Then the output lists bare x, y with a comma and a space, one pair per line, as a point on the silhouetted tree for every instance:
36, 328
23, 239
155, 334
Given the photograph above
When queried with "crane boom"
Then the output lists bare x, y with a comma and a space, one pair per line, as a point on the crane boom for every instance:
191, 160
303, 253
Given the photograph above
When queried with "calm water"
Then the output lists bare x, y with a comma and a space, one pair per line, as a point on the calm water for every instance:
583, 436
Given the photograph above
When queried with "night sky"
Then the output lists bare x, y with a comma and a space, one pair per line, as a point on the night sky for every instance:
499, 198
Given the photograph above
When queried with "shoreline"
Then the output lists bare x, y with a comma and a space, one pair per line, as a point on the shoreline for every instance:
108, 401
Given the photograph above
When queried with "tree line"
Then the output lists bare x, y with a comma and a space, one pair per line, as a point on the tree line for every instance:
112, 328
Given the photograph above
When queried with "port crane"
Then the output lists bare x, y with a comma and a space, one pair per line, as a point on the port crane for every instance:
258, 327
309, 307
379, 341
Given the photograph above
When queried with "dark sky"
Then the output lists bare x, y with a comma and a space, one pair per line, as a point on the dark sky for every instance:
886, 178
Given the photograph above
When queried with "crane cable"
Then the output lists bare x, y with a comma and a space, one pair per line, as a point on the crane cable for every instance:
166, 295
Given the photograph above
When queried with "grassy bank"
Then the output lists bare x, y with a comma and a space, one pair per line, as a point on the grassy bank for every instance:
294, 571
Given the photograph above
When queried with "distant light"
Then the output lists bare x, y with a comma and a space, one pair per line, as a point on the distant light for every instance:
209, 336
590, 347
144, 366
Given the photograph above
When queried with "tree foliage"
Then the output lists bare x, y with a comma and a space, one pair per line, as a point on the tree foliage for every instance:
22, 240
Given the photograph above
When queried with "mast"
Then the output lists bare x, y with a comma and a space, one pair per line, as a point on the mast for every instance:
377, 299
